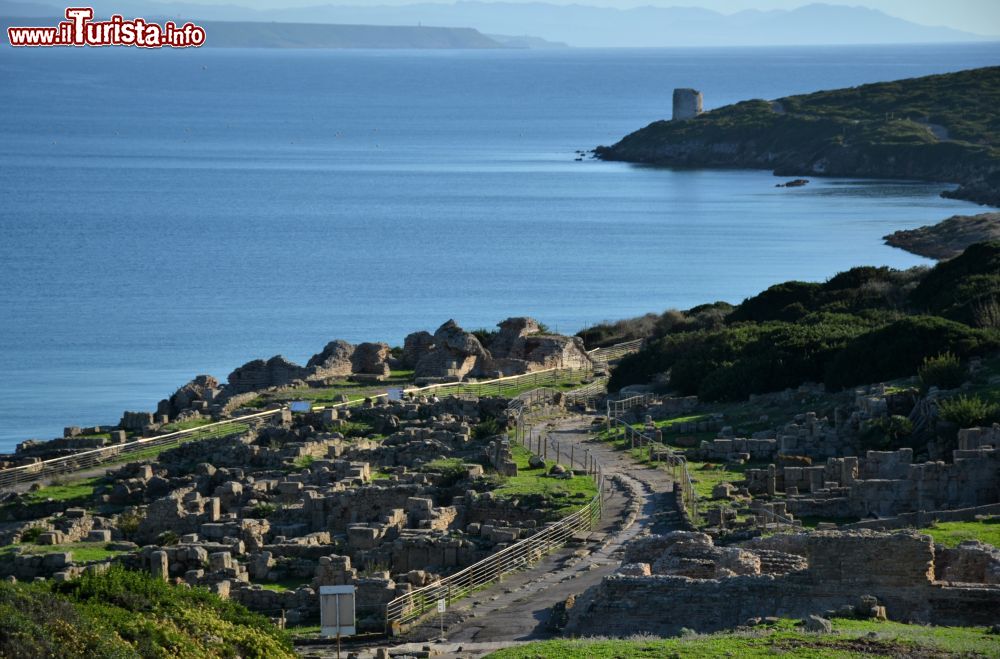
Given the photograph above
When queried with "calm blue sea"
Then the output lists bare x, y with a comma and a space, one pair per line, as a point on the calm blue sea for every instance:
164, 214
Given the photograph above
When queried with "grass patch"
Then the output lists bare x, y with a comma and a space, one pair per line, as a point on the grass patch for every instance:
558, 496
951, 534
285, 584
186, 424
83, 552
71, 490
710, 474
303, 462
444, 465
850, 639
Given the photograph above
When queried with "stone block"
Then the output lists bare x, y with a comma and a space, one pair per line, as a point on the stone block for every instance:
158, 565
221, 560
50, 538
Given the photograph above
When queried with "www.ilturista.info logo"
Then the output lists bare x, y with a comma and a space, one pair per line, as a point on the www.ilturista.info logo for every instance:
79, 29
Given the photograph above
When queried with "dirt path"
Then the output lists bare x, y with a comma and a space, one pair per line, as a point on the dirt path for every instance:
640, 500
521, 611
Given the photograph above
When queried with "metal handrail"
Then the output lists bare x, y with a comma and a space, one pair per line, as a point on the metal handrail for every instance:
415, 604
94, 457
412, 606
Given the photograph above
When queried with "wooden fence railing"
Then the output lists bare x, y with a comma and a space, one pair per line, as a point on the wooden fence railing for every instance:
105, 454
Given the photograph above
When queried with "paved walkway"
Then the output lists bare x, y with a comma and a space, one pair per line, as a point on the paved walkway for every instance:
640, 501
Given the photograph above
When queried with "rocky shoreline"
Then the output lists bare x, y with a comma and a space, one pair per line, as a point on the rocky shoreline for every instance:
948, 238
518, 346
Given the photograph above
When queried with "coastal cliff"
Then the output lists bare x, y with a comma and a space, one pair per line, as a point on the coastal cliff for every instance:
948, 238
936, 128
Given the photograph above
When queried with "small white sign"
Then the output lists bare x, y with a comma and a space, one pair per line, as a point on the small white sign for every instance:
442, 604
395, 393
336, 611
301, 406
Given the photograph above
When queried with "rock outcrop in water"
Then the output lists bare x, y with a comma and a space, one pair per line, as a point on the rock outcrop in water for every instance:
948, 238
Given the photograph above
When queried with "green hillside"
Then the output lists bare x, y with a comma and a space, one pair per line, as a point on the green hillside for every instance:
864, 325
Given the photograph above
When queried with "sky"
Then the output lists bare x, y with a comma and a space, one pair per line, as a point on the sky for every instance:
979, 16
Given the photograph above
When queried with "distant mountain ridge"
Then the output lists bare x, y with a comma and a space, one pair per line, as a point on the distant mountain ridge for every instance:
582, 25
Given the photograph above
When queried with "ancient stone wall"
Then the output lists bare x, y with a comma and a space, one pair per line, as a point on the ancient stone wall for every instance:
897, 569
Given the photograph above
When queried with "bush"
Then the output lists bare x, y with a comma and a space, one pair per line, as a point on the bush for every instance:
166, 538
260, 511
732, 362
788, 301
31, 533
944, 371
887, 434
609, 333
489, 427
129, 614
899, 349
960, 287
128, 523
968, 411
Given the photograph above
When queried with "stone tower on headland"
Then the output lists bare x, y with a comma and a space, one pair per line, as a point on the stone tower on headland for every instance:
687, 103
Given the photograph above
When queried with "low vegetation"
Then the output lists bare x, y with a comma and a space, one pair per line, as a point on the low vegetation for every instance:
534, 487
68, 490
129, 614
864, 325
83, 552
951, 534
968, 411
850, 638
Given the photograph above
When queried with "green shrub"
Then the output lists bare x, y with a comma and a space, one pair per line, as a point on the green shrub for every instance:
31, 534
960, 287
944, 371
732, 362
260, 511
967, 411
485, 336
166, 538
899, 349
788, 301
129, 614
128, 523
887, 434
489, 427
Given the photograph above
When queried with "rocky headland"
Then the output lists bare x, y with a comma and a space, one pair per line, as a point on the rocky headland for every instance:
948, 238
934, 128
